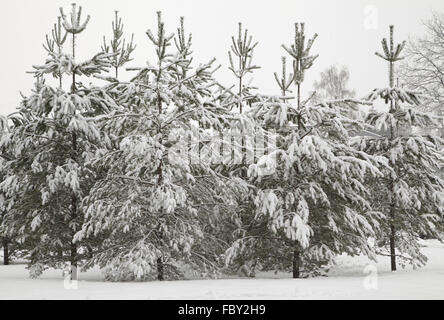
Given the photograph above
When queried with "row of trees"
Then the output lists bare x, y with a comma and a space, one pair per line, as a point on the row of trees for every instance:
163, 175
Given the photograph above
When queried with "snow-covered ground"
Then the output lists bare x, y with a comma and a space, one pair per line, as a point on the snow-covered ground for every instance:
352, 278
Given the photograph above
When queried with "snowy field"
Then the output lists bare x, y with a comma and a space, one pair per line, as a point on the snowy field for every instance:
346, 281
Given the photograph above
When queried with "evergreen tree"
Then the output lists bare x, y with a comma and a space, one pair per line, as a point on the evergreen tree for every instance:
311, 204
157, 184
243, 143
410, 194
51, 142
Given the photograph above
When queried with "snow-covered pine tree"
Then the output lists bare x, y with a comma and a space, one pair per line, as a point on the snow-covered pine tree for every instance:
311, 203
410, 194
217, 218
241, 141
148, 202
51, 141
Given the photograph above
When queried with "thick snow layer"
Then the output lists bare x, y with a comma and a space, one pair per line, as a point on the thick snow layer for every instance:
352, 278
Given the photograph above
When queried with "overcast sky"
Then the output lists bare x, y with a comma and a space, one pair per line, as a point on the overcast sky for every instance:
349, 31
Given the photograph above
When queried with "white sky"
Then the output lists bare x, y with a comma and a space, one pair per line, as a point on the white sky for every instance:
343, 38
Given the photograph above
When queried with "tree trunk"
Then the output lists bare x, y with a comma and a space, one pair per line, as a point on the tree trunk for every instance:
392, 203
73, 246
90, 251
5, 252
296, 263
392, 229
160, 275
73, 261
60, 253
73, 88
73, 258
392, 247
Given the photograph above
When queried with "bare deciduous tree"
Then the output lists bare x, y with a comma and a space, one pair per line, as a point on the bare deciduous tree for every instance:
333, 84
423, 68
